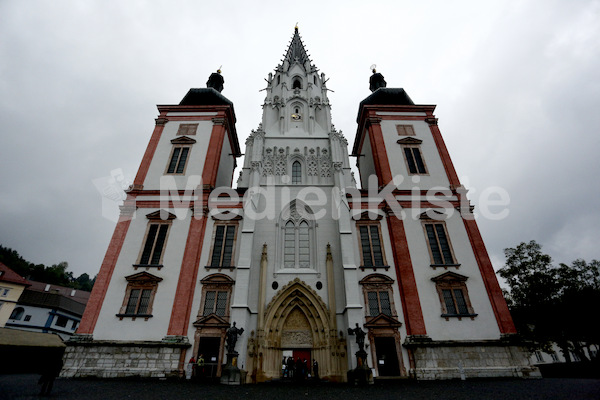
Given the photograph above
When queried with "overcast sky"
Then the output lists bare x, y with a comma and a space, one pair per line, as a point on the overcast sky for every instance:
517, 88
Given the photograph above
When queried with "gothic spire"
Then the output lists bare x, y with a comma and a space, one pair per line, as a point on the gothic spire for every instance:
296, 52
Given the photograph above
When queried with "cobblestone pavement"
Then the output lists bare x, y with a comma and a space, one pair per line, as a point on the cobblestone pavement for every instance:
25, 387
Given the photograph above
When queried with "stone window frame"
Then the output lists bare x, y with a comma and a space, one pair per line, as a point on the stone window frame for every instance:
296, 172
187, 129
297, 79
378, 283
405, 130
291, 214
438, 219
140, 281
368, 222
413, 144
231, 223
453, 281
173, 165
160, 218
216, 283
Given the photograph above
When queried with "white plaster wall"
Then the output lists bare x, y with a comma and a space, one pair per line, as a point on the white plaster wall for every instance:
367, 166
109, 327
39, 316
195, 161
226, 164
484, 326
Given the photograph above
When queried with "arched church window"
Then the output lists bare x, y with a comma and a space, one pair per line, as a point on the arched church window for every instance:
289, 252
303, 245
278, 79
315, 79
296, 172
297, 84
297, 237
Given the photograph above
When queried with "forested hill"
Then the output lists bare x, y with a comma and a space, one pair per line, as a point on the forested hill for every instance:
56, 274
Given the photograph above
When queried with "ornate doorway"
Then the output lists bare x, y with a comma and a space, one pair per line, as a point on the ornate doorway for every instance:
298, 319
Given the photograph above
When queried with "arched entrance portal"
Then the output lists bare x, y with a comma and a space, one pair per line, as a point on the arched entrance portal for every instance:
298, 320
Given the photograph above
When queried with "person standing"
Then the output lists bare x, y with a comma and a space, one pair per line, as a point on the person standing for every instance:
200, 366
189, 369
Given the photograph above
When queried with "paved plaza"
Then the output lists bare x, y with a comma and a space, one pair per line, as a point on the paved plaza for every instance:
25, 387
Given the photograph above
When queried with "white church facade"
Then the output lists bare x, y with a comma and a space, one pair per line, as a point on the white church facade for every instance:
294, 250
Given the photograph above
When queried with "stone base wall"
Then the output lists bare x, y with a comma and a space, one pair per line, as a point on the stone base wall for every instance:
122, 360
473, 360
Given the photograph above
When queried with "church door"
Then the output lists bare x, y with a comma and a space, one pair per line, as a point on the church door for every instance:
387, 357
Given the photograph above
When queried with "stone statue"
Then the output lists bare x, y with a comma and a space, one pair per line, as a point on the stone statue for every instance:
360, 337
232, 336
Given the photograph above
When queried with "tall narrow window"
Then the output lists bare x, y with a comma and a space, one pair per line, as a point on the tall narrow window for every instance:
155, 242
223, 243
377, 289
296, 172
379, 303
139, 295
414, 160
454, 298
152, 252
303, 245
370, 242
215, 302
296, 240
289, 252
178, 159
216, 292
439, 246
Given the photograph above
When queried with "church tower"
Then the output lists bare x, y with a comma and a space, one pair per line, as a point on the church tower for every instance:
392, 278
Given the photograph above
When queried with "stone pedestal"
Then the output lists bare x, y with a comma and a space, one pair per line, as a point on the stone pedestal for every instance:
362, 374
231, 374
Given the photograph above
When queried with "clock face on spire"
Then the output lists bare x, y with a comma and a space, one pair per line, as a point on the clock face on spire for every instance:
296, 117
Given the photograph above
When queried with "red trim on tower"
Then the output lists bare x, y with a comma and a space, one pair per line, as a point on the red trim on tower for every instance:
213, 155
443, 150
505, 322
182, 306
380, 158
409, 295
150, 150
94, 305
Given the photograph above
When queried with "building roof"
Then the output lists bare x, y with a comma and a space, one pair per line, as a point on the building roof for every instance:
80, 296
8, 275
17, 337
296, 51
386, 96
205, 97
51, 300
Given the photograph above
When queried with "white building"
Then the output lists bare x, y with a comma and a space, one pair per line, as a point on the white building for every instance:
296, 254
49, 309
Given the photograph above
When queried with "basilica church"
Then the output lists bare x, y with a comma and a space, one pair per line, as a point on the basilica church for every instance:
297, 251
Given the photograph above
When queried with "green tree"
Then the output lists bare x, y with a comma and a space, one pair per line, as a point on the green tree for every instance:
56, 274
551, 304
